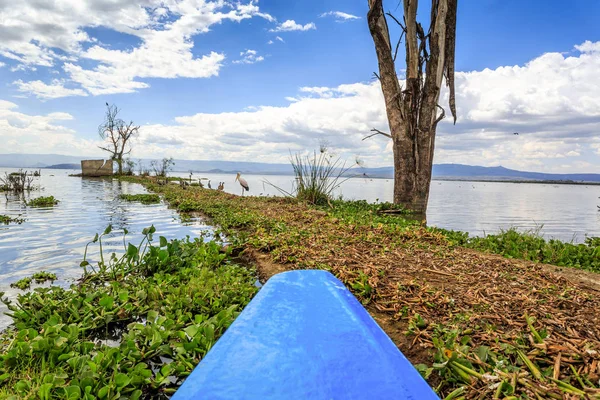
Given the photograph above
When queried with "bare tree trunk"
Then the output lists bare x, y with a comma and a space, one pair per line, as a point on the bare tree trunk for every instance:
412, 111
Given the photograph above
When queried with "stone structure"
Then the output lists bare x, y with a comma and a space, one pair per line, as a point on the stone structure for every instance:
96, 167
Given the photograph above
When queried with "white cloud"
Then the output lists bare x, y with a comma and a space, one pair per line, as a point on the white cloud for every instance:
249, 57
36, 34
45, 91
339, 16
25, 133
291, 25
2, 64
552, 101
279, 38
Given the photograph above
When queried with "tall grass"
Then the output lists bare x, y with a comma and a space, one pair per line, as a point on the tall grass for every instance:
317, 176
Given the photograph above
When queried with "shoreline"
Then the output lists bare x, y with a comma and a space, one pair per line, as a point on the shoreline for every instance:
458, 312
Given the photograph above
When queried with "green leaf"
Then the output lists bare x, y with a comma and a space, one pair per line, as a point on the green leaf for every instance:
107, 302
163, 241
135, 395
95, 239
4, 377
44, 391
125, 231
122, 380
191, 330
163, 255
73, 392
131, 250
152, 229
103, 392
84, 263
108, 229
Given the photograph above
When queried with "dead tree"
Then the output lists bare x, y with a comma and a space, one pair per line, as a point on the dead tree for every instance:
412, 108
116, 133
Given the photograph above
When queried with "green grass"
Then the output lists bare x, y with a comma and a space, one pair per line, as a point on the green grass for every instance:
47, 201
145, 198
6, 219
134, 327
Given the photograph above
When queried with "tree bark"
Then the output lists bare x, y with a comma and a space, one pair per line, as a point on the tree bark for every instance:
412, 111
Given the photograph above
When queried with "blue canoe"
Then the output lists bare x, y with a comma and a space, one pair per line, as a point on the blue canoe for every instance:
304, 336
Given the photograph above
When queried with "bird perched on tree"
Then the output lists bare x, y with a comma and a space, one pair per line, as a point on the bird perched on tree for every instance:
221, 186
242, 182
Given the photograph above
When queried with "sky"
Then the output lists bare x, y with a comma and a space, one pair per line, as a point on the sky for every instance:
251, 80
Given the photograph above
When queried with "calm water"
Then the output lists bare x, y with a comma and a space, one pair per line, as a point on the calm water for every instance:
566, 212
53, 239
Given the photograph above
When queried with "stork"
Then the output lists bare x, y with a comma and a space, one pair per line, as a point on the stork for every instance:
242, 182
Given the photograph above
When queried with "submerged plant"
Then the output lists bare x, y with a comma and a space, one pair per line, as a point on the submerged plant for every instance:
7, 219
44, 201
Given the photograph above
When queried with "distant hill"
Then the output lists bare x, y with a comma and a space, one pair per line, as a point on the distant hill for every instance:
64, 166
440, 171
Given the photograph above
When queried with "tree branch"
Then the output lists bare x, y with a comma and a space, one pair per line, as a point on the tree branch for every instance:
395, 19
377, 132
441, 117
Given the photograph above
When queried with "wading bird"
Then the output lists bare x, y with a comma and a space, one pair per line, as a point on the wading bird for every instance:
242, 182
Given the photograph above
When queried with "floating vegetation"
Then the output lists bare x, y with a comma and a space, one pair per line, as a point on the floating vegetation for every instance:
476, 325
44, 201
133, 327
23, 284
6, 219
38, 277
43, 276
145, 198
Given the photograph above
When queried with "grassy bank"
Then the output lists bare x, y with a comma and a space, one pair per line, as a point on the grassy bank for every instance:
476, 325
134, 327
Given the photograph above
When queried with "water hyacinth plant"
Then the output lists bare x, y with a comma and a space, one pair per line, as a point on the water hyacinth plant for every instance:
133, 327
44, 201
144, 198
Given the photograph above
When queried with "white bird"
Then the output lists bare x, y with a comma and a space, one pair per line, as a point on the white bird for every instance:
242, 182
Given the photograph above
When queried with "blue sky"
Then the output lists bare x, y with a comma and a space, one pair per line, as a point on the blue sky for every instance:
256, 79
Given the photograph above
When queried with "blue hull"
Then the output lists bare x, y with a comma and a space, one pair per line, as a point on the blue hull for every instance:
304, 336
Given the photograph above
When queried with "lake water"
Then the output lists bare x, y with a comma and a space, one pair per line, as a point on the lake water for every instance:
566, 212
54, 239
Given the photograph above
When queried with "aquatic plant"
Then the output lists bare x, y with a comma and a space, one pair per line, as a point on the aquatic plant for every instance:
134, 326
44, 201
17, 182
144, 198
38, 277
317, 176
7, 219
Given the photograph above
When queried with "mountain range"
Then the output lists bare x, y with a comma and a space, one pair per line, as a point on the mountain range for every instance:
440, 171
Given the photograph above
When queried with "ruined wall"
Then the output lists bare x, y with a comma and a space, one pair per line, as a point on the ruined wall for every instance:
96, 167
